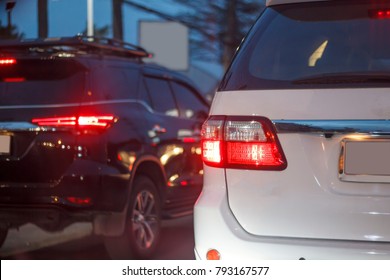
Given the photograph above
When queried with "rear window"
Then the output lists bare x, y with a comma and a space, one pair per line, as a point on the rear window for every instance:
320, 44
110, 83
41, 82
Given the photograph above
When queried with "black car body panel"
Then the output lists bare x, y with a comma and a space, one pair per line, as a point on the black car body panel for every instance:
80, 171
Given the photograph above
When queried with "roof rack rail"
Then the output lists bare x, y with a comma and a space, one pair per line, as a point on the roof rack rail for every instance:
80, 42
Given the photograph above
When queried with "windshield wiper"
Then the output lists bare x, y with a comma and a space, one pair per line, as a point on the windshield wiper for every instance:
346, 78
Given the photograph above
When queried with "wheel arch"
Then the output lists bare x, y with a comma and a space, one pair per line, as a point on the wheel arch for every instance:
150, 167
114, 224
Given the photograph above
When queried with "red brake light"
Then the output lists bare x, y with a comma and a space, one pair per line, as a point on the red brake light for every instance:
242, 142
95, 121
80, 200
58, 121
380, 14
77, 122
212, 136
7, 61
14, 79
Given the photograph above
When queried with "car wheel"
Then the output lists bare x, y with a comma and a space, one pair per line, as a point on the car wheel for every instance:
143, 224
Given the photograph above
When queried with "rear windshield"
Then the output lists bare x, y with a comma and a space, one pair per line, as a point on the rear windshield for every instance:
41, 82
316, 45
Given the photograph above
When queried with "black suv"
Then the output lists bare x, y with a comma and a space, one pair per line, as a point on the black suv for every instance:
88, 132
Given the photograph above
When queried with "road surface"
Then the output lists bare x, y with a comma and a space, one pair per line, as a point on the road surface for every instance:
76, 242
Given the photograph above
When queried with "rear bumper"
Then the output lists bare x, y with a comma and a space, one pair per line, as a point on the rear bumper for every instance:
48, 217
87, 190
216, 228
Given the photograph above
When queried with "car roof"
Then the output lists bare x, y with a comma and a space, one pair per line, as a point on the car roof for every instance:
75, 45
279, 2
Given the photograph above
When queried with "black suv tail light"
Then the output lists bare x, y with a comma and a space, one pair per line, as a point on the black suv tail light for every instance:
7, 61
96, 122
241, 142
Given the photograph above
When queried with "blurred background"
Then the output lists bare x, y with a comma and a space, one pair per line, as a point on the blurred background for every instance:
195, 37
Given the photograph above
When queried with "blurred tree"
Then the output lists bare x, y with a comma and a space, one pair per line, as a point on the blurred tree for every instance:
117, 19
98, 31
6, 33
43, 30
217, 27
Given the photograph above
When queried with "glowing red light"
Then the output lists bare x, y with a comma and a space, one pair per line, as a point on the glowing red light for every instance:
184, 183
189, 140
59, 121
79, 200
73, 121
381, 14
211, 151
7, 61
242, 142
101, 121
265, 154
14, 80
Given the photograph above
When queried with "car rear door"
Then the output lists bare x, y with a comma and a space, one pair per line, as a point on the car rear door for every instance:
336, 183
319, 95
35, 91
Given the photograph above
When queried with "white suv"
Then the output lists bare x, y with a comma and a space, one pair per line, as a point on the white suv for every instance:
297, 145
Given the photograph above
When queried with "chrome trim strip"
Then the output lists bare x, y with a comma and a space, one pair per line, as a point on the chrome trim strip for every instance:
16, 126
79, 104
330, 127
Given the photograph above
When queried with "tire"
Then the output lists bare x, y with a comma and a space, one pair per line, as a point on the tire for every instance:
143, 224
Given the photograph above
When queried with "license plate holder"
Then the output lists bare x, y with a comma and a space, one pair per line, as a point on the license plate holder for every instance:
5, 144
366, 160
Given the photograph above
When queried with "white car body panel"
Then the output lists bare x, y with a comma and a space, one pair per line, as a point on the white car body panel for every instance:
217, 228
305, 104
323, 190
308, 199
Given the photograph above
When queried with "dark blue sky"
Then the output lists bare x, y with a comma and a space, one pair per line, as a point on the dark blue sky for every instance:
69, 17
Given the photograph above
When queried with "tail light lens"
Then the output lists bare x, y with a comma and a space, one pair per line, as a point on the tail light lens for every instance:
212, 138
7, 61
81, 201
241, 142
14, 79
380, 14
80, 122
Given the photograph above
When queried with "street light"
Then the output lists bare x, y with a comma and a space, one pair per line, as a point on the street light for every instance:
8, 7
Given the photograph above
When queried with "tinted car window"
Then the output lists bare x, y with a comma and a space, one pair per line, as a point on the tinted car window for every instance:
144, 94
31, 82
294, 42
161, 95
190, 105
115, 83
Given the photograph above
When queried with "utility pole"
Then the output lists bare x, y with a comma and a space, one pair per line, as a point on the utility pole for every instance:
117, 19
43, 30
8, 7
90, 18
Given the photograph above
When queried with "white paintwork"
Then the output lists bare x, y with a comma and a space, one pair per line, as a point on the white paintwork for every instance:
306, 210
309, 104
217, 228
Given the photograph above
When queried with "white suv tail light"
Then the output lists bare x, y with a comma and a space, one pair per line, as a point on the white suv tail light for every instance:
241, 142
